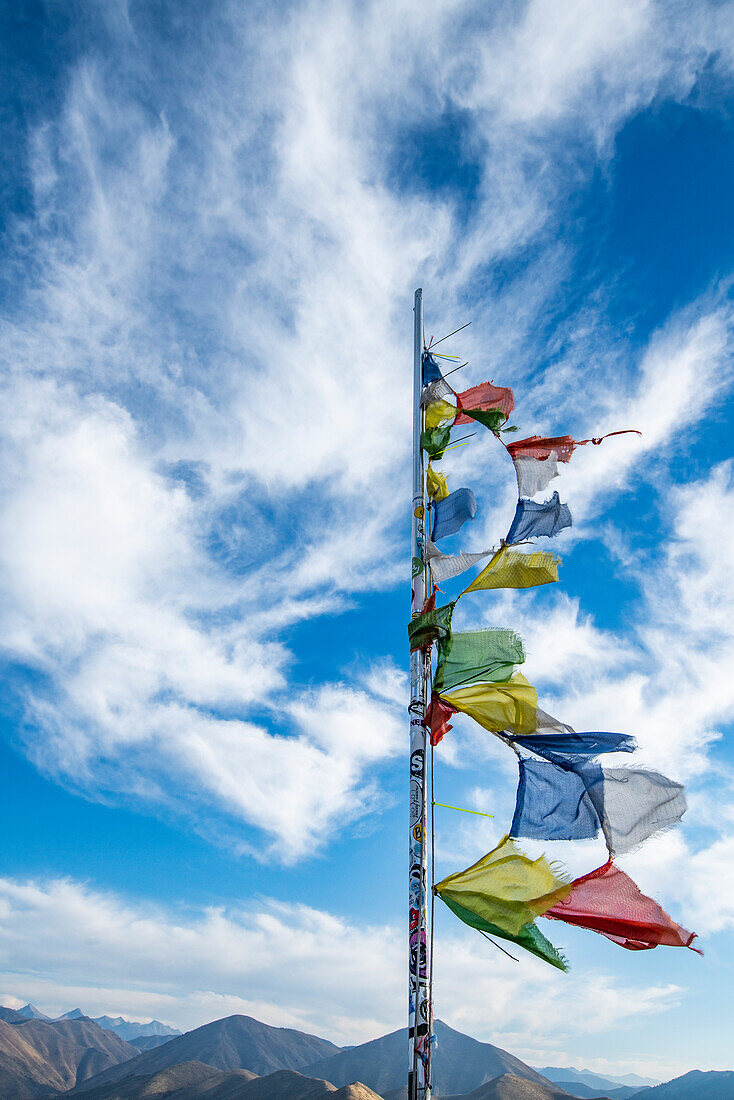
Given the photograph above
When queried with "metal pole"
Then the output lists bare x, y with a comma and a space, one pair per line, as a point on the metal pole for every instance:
419, 1014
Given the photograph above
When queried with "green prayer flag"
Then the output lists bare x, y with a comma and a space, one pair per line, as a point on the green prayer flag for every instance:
435, 440
530, 937
490, 418
430, 625
477, 655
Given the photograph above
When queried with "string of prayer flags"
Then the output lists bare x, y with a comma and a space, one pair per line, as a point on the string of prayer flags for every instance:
532, 520
451, 513
438, 713
429, 625
579, 799
469, 656
505, 887
434, 441
505, 706
560, 748
482, 397
436, 486
529, 937
445, 566
534, 475
609, 902
513, 569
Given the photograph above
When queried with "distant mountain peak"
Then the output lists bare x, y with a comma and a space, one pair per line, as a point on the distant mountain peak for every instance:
32, 1013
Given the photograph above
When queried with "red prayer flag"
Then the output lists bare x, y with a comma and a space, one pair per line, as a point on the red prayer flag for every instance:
484, 396
536, 446
608, 901
437, 716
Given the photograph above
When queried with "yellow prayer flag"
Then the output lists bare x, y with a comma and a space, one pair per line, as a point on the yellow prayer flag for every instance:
506, 888
439, 413
512, 569
436, 486
509, 705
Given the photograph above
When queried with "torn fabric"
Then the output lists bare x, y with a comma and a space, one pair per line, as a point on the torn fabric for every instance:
505, 887
469, 656
445, 566
436, 486
513, 569
436, 391
482, 397
533, 520
434, 441
579, 798
534, 476
608, 901
540, 447
451, 513
560, 748
438, 713
529, 937
439, 413
427, 626
431, 369
489, 418
506, 706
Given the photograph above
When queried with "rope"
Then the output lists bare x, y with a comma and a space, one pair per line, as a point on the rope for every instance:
499, 948
461, 808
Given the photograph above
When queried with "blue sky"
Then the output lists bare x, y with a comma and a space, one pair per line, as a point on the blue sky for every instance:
214, 216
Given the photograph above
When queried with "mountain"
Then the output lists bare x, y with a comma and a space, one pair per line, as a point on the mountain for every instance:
236, 1042
196, 1081
460, 1063
11, 1016
511, 1087
32, 1013
38, 1057
148, 1042
695, 1085
586, 1092
126, 1029
564, 1075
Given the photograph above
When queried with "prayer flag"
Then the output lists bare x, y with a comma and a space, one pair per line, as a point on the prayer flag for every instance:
533, 520
435, 392
513, 569
505, 706
539, 447
445, 566
450, 514
534, 475
608, 901
431, 369
438, 713
505, 887
637, 804
482, 397
575, 799
436, 486
439, 413
469, 656
434, 441
554, 804
425, 627
490, 418
529, 937
559, 748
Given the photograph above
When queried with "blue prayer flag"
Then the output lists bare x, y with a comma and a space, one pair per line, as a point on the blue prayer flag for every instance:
562, 748
555, 804
452, 512
532, 520
431, 369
